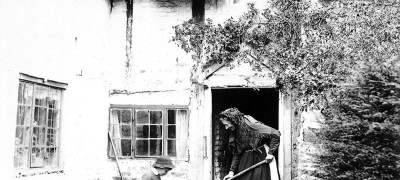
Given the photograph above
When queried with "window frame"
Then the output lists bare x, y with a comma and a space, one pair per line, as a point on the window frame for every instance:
49, 84
133, 109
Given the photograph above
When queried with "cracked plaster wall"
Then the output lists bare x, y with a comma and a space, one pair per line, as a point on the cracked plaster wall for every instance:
307, 144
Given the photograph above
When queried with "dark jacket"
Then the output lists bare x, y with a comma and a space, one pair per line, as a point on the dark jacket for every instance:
150, 176
249, 134
256, 136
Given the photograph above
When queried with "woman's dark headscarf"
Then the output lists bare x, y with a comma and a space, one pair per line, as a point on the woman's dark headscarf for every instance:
233, 115
247, 126
237, 119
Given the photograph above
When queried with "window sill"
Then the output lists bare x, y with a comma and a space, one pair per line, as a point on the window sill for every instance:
20, 173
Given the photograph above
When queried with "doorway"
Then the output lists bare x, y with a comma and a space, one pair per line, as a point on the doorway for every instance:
261, 103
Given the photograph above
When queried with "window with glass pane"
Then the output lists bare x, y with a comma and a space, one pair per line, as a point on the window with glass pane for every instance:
177, 133
121, 132
155, 131
149, 132
36, 137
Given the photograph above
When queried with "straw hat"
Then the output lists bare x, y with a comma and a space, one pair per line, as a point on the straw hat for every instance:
163, 162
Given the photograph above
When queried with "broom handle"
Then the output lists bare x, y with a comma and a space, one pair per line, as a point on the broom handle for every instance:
249, 168
115, 153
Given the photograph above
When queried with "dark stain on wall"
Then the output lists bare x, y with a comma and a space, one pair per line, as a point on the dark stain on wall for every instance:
129, 23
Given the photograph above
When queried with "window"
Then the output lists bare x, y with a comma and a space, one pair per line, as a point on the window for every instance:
149, 131
37, 127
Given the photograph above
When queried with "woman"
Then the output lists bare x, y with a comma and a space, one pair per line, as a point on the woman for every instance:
250, 142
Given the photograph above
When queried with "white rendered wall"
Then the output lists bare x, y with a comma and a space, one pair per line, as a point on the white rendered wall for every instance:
65, 41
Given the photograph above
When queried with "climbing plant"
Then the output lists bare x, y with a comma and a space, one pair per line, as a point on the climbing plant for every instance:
272, 39
339, 56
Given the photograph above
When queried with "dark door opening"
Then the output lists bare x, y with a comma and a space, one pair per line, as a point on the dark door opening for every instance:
262, 104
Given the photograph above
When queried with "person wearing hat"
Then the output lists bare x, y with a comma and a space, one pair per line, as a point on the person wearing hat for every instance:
160, 168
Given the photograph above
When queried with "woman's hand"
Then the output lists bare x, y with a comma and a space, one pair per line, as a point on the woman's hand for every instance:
229, 175
269, 158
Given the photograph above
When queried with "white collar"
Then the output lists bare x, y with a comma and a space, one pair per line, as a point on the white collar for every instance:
154, 170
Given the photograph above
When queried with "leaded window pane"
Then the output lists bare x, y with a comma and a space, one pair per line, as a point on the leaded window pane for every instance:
142, 147
22, 135
24, 115
142, 117
37, 156
51, 158
52, 118
171, 116
126, 116
155, 147
21, 157
41, 93
52, 137
171, 147
155, 117
171, 131
25, 93
155, 131
36, 137
126, 131
126, 145
54, 98
39, 116
142, 131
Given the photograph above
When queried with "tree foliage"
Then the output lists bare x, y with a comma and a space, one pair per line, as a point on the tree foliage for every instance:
363, 126
341, 56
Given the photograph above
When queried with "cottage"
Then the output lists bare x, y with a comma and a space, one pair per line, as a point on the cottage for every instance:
77, 74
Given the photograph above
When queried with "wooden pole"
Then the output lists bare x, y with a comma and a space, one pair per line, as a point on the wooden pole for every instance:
249, 168
115, 154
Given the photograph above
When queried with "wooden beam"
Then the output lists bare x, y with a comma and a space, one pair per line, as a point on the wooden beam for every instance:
198, 10
285, 126
210, 70
207, 116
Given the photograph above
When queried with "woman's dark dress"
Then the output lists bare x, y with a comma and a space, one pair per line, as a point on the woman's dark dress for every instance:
250, 158
246, 142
